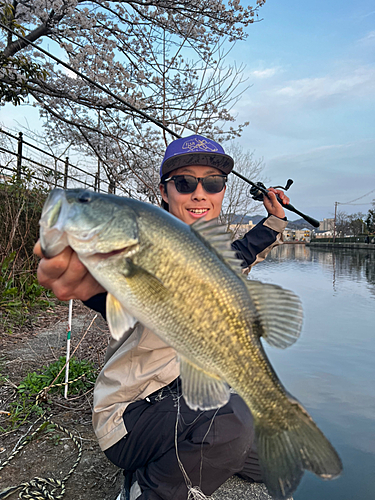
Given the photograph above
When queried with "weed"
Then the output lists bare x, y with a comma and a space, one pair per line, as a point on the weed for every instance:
35, 382
20, 210
25, 405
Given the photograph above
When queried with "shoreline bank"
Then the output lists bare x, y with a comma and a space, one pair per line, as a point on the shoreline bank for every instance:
365, 246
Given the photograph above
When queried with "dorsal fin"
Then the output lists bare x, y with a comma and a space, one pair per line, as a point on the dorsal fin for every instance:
218, 238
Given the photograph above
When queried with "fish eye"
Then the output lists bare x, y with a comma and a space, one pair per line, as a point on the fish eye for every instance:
84, 197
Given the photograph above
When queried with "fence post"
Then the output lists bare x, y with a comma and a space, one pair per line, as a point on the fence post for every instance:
96, 182
19, 156
66, 172
97, 178
111, 186
55, 172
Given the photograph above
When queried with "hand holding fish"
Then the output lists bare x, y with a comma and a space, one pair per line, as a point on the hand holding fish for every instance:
271, 203
66, 276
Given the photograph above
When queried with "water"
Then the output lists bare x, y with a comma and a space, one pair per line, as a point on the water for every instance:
331, 368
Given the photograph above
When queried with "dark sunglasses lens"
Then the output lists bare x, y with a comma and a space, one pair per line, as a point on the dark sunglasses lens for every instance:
185, 183
213, 183
188, 184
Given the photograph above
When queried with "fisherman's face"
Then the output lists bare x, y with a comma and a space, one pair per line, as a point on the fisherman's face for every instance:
193, 206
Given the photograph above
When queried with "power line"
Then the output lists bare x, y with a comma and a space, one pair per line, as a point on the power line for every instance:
350, 202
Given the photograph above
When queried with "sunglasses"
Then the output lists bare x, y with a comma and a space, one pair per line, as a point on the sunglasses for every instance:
187, 184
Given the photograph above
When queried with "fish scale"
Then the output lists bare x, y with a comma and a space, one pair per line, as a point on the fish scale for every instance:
185, 284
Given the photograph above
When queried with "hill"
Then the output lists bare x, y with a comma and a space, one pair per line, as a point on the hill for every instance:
295, 224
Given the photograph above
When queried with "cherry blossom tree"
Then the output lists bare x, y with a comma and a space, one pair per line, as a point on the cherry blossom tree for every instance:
165, 58
238, 202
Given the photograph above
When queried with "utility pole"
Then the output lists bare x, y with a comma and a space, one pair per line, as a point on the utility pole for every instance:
334, 223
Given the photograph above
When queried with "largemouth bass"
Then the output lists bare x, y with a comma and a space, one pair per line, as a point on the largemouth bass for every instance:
185, 284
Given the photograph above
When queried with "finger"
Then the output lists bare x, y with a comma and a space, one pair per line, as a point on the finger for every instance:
76, 282
283, 197
271, 197
87, 288
55, 267
38, 249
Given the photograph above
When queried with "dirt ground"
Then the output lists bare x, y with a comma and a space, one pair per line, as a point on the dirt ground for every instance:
39, 342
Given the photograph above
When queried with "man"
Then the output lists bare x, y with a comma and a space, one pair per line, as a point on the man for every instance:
142, 424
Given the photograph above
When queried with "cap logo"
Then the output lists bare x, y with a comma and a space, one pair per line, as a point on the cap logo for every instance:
193, 145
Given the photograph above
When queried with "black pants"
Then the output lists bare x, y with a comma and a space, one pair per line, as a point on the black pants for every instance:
211, 445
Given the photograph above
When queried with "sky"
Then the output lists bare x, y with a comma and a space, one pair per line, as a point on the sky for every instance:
311, 101
310, 67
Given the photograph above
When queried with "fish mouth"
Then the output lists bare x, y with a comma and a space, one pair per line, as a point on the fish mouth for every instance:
47, 254
52, 237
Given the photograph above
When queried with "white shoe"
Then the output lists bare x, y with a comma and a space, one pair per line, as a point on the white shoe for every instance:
135, 491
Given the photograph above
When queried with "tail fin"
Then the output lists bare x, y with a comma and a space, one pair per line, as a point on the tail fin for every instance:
285, 452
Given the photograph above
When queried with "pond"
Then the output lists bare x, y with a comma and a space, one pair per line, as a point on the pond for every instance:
331, 368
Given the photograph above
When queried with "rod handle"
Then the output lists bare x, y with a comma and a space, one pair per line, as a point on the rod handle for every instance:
307, 218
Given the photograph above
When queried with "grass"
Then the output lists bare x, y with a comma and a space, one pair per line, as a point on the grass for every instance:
25, 407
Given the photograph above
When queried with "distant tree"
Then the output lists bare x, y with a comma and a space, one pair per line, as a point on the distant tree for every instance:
237, 201
164, 57
342, 223
356, 223
370, 219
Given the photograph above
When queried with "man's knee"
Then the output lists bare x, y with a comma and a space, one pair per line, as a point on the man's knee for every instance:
231, 435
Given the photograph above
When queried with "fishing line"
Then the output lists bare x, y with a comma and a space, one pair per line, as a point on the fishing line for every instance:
204, 437
194, 492
256, 186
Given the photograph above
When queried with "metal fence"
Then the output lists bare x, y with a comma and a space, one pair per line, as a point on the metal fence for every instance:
22, 159
363, 238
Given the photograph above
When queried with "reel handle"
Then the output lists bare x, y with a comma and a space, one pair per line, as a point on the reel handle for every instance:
258, 190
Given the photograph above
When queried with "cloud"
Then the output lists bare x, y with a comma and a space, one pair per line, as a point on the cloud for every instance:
370, 37
332, 103
353, 82
264, 73
367, 40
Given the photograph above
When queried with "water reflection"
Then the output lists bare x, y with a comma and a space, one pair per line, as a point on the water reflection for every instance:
343, 263
331, 368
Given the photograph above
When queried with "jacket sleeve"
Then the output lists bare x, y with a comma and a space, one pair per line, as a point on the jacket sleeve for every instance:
98, 303
259, 241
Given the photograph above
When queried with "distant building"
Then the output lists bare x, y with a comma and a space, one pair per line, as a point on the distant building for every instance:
325, 234
303, 235
241, 229
326, 225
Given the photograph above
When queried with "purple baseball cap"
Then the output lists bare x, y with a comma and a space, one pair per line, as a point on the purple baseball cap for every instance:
195, 150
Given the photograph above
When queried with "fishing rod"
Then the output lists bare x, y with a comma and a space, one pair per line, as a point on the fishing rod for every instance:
257, 190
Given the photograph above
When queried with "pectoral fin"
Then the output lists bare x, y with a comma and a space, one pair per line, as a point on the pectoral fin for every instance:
202, 390
119, 320
141, 279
